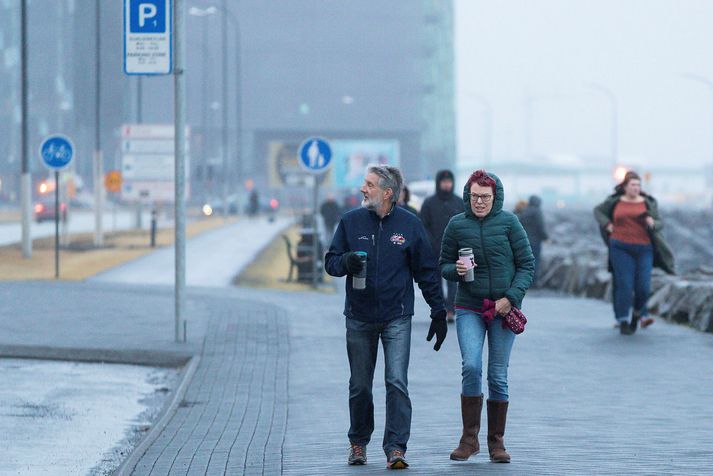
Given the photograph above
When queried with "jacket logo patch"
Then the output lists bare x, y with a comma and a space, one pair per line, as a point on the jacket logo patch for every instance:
398, 239
363, 237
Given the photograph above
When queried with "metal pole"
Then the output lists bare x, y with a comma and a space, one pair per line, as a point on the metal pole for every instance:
98, 165
56, 224
139, 100
25, 178
224, 41
315, 235
180, 171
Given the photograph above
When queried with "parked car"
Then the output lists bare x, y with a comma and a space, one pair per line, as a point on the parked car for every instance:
44, 210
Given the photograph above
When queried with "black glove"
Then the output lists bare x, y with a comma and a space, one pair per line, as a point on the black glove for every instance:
439, 327
352, 262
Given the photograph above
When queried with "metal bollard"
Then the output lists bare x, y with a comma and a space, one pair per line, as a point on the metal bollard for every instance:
153, 228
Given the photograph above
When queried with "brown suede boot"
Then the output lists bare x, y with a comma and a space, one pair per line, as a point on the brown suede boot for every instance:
470, 409
497, 414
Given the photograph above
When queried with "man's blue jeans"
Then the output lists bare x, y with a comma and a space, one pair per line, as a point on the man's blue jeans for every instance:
632, 266
362, 348
471, 337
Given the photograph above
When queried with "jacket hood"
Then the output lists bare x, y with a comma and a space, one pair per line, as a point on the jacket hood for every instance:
535, 201
440, 175
498, 200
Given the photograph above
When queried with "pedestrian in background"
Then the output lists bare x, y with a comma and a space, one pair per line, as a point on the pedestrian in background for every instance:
330, 212
503, 273
630, 226
398, 252
405, 199
533, 221
436, 212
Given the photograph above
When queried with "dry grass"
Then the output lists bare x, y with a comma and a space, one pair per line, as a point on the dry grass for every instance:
271, 268
80, 259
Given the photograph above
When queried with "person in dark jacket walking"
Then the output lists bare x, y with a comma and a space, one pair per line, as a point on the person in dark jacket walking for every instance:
436, 211
405, 198
533, 221
630, 226
330, 212
398, 252
504, 267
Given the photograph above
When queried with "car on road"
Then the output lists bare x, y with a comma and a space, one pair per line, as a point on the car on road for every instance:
44, 210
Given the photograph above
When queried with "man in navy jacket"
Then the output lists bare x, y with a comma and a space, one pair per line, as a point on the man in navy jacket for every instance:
398, 252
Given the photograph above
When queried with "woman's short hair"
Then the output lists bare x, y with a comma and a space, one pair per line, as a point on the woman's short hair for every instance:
389, 178
482, 178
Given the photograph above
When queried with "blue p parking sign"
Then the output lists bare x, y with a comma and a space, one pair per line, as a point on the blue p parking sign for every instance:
147, 16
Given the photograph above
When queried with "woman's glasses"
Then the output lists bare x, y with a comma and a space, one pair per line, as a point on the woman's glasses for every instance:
474, 197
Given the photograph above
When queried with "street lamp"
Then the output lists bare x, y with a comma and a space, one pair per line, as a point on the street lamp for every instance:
227, 15
706, 82
614, 124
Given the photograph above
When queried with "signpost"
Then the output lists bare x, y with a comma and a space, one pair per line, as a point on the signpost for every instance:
56, 153
147, 37
315, 156
112, 184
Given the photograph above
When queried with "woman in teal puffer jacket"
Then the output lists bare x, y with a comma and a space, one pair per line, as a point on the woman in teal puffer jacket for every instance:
504, 268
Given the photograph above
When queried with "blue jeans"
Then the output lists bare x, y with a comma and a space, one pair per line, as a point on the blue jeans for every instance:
471, 336
632, 266
362, 348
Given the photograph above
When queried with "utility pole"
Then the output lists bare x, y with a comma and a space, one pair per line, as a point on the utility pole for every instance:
25, 178
180, 169
98, 162
225, 174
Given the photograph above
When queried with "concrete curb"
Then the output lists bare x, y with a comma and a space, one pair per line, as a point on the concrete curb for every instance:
129, 464
131, 357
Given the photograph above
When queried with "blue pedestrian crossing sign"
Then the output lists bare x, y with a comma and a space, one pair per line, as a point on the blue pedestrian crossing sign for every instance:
57, 152
315, 155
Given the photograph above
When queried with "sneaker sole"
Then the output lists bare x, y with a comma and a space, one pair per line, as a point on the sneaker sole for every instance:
358, 462
398, 465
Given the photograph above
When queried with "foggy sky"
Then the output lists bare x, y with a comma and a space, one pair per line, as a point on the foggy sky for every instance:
550, 50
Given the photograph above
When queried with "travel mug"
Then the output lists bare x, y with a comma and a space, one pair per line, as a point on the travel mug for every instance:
359, 279
468, 259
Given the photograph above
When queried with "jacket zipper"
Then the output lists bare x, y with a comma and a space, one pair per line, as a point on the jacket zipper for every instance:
378, 303
485, 255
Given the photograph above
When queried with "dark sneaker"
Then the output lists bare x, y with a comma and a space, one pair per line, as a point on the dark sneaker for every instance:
357, 455
634, 323
625, 328
396, 460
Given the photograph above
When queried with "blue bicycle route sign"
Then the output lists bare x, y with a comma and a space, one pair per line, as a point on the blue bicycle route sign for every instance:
57, 152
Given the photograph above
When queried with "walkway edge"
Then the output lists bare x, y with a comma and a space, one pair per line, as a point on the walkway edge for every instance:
127, 467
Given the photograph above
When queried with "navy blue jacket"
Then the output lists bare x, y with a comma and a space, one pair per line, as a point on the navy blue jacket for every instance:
398, 252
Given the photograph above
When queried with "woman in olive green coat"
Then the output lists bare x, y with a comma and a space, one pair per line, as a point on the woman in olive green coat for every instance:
630, 225
504, 268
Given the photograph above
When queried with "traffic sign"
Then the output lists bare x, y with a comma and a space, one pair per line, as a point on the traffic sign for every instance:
147, 37
112, 181
56, 152
315, 155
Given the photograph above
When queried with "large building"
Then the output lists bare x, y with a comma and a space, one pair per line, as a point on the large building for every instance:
375, 78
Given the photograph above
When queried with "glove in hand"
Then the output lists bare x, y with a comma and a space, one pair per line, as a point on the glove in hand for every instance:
352, 262
439, 328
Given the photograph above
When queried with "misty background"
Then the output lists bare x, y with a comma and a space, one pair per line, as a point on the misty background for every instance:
548, 60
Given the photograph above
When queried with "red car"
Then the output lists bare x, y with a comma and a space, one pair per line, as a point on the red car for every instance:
44, 210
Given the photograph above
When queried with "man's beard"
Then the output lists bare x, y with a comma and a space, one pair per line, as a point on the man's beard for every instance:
370, 204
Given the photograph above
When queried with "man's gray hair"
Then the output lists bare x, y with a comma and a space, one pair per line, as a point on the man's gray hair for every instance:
389, 177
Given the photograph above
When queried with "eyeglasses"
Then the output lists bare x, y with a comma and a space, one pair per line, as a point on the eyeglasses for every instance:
474, 197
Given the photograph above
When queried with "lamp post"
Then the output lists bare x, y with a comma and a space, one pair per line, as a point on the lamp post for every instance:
709, 84
614, 124
227, 16
25, 177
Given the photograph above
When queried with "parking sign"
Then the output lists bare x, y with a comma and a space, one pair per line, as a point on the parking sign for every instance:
147, 37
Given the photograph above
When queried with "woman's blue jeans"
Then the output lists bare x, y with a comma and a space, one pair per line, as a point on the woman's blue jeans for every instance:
471, 337
632, 266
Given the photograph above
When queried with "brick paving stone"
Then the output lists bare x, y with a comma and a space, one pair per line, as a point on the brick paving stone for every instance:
226, 418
